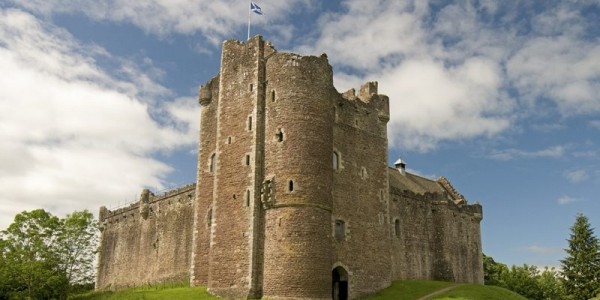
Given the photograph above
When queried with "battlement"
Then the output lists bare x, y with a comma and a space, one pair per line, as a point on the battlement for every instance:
184, 194
438, 199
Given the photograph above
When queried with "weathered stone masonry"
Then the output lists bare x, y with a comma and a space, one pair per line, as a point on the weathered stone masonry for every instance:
294, 197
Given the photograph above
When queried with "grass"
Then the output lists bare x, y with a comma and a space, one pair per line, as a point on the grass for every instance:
149, 293
413, 290
400, 290
410, 289
475, 292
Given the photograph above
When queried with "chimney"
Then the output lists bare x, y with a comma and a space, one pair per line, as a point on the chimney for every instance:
401, 166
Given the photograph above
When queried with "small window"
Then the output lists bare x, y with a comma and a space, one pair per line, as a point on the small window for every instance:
340, 230
397, 228
251, 87
247, 159
273, 96
209, 218
247, 198
336, 163
291, 186
250, 123
212, 163
229, 140
279, 135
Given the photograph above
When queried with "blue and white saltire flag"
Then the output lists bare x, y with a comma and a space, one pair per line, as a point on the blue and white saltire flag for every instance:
255, 8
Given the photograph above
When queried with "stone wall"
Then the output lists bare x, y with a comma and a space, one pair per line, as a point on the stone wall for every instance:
360, 189
148, 241
437, 239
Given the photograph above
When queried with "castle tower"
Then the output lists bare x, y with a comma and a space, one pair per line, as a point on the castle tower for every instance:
228, 237
298, 170
265, 175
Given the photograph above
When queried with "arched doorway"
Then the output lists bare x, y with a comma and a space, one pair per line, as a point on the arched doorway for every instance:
339, 284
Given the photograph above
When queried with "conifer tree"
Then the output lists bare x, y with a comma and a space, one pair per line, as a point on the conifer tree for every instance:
581, 267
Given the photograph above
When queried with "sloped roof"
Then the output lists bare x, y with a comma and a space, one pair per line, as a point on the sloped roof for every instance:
421, 185
413, 183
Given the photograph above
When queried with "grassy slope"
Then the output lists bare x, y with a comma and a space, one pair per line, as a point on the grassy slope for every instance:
475, 291
412, 290
400, 290
180, 293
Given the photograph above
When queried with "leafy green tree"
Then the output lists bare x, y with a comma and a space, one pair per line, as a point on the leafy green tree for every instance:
76, 247
493, 272
581, 267
550, 284
41, 256
523, 280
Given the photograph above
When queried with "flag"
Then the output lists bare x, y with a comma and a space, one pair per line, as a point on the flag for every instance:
255, 8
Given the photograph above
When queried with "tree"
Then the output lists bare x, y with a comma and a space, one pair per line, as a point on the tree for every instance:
525, 280
76, 247
581, 267
42, 256
493, 272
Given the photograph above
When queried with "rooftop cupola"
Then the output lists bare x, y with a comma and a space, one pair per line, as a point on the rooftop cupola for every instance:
401, 166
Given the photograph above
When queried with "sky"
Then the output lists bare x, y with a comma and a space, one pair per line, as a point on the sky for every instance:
98, 99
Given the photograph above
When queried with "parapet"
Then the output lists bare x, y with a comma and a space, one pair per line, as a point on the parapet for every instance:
143, 207
369, 101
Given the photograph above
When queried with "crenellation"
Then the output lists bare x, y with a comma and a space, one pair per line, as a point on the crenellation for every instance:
294, 198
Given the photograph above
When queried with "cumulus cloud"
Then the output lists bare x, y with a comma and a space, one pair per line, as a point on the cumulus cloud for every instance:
75, 136
436, 95
576, 175
463, 70
509, 154
563, 200
213, 19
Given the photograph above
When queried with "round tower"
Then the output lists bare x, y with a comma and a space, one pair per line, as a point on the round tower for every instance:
298, 176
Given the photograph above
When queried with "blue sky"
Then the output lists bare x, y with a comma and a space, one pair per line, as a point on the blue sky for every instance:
98, 99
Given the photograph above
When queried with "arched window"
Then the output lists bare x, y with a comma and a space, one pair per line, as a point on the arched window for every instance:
291, 186
273, 96
212, 163
336, 160
340, 230
397, 228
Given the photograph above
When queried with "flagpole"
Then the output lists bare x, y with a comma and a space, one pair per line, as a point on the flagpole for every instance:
249, 16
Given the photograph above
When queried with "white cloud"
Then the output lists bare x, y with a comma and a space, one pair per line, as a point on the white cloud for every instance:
213, 19
571, 80
73, 135
508, 154
543, 250
576, 175
563, 200
463, 70
435, 94
595, 124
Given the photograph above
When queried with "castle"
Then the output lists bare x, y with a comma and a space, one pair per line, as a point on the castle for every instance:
294, 197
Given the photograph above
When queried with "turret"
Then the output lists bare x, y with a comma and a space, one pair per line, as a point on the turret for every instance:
298, 163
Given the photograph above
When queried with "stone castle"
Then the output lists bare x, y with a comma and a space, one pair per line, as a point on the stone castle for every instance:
294, 197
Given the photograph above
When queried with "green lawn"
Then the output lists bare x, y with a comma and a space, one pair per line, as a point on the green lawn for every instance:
400, 290
410, 289
475, 292
149, 293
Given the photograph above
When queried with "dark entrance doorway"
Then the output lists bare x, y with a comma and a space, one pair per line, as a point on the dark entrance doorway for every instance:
339, 288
